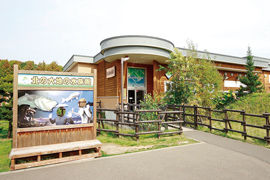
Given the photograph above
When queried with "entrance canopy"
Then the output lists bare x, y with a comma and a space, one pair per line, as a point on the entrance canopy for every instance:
140, 49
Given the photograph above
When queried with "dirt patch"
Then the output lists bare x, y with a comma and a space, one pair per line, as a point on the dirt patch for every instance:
117, 149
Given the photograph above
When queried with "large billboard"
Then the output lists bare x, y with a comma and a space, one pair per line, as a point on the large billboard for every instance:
59, 104
49, 108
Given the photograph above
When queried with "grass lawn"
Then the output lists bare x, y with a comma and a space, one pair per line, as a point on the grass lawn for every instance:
236, 136
149, 140
5, 147
257, 103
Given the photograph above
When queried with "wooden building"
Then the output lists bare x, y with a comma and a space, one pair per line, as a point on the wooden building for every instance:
145, 54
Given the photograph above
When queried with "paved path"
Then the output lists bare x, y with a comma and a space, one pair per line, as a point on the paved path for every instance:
214, 158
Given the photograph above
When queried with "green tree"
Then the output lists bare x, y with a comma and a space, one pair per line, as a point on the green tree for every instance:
6, 84
30, 65
6, 92
195, 80
251, 81
53, 66
41, 66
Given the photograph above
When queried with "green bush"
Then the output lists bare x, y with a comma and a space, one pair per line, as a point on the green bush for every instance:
225, 100
150, 103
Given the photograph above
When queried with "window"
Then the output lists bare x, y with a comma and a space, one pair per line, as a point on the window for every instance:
167, 85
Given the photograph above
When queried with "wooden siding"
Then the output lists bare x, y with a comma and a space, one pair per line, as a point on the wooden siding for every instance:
101, 75
107, 86
155, 80
266, 80
159, 78
54, 136
111, 83
234, 66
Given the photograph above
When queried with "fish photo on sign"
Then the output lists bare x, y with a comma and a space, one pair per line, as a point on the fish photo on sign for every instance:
70, 97
51, 108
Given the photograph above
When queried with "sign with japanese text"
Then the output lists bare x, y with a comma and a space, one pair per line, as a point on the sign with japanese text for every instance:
40, 80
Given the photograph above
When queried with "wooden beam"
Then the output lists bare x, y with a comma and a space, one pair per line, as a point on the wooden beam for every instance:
54, 161
15, 106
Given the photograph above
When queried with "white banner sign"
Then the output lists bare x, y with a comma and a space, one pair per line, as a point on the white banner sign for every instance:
40, 80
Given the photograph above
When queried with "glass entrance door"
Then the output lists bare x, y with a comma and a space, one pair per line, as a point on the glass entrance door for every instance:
136, 85
135, 96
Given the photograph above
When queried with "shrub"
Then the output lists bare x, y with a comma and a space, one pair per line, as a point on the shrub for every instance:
226, 99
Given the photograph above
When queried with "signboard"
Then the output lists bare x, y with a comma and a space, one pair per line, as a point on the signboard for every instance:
168, 75
56, 109
43, 80
136, 78
51, 108
110, 72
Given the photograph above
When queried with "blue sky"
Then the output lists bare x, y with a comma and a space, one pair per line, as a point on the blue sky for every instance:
54, 30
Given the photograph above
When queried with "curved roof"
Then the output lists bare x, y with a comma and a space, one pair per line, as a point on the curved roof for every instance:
144, 49
152, 48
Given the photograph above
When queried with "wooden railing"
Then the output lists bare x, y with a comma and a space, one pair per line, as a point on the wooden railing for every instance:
225, 121
176, 115
138, 121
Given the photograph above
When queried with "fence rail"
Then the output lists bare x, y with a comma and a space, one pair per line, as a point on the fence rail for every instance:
176, 115
226, 120
140, 122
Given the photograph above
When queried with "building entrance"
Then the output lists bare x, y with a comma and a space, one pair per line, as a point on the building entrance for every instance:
136, 85
135, 96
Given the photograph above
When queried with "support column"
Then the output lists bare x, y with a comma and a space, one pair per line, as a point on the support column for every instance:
156, 78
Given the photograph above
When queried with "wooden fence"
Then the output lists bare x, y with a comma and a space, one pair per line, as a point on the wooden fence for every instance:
139, 121
175, 115
226, 117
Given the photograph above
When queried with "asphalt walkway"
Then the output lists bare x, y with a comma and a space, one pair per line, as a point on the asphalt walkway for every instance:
214, 157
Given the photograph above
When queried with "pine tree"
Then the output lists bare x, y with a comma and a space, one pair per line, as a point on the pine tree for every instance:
251, 81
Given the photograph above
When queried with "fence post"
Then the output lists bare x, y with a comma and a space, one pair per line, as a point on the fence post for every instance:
98, 120
165, 118
195, 117
244, 125
225, 119
180, 124
117, 124
210, 119
158, 125
184, 114
267, 128
137, 127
